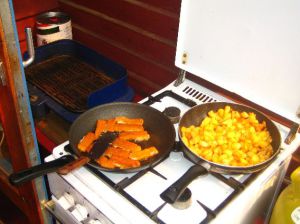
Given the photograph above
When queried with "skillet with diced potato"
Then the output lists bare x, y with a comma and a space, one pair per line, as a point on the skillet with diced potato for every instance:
203, 155
229, 137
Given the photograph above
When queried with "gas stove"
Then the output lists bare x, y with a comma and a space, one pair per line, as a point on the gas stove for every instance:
242, 48
135, 197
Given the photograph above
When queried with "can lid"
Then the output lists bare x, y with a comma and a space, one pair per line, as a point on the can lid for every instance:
50, 18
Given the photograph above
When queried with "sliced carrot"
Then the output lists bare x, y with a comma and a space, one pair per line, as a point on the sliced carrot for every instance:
124, 163
126, 145
144, 154
126, 120
86, 142
106, 162
135, 135
112, 151
101, 127
126, 127
110, 125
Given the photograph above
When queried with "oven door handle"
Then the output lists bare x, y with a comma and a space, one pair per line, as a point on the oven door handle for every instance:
39, 170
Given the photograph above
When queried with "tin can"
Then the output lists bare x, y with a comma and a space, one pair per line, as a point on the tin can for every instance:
52, 26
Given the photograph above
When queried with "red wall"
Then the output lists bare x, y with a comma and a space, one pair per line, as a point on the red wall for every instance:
25, 13
141, 35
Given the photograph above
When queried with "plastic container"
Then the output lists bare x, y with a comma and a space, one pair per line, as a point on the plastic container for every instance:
287, 207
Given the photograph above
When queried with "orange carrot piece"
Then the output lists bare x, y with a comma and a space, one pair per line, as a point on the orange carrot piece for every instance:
135, 135
106, 162
144, 154
86, 142
126, 145
112, 151
126, 120
101, 127
124, 163
126, 127
110, 124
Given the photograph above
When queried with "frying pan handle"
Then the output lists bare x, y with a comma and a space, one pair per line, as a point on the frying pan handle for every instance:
73, 165
39, 170
172, 193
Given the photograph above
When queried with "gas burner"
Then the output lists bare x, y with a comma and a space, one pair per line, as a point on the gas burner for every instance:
173, 113
184, 201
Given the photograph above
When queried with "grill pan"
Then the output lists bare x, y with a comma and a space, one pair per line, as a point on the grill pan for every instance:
77, 77
67, 80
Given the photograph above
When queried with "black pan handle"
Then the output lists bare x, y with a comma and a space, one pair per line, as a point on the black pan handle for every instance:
172, 193
39, 170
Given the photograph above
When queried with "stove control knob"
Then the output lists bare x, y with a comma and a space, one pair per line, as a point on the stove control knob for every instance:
66, 201
94, 221
80, 212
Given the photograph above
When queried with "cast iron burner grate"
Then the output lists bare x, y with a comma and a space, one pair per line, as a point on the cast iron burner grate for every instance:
67, 80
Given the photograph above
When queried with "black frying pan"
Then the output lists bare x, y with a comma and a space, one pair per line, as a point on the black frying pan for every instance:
194, 116
160, 128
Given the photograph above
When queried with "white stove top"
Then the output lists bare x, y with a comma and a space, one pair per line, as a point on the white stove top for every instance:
139, 200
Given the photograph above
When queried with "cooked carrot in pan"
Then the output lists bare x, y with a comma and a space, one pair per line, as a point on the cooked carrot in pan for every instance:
117, 162
135, 136
124, 163
126, 120
126, 145
110, 125
122, 152
106, 162
112, 151
126, 127
118, 124
101, 127
143, 154
86, 143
